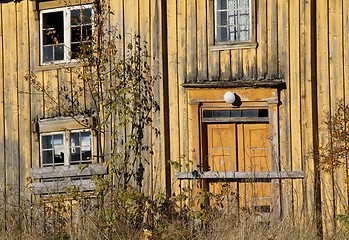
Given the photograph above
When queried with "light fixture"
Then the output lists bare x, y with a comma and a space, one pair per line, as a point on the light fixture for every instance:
229, 97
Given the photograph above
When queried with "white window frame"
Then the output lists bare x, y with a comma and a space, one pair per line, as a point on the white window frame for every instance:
67, 32
67, 147
251, 38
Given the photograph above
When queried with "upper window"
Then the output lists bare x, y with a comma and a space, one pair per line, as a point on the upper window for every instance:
233, 21
62, 32
66, 148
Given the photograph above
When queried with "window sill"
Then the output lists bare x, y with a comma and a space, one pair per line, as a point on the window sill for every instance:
233, 46
63, 178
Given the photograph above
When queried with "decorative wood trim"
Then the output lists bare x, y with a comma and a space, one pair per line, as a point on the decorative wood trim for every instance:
65, 123
270, 83
240, 176
62, 186
68, 171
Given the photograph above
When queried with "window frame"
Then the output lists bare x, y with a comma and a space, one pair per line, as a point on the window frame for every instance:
230, 44
67, 147
67, 32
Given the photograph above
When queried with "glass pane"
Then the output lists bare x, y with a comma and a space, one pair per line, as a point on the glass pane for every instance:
75, 154
207, 113
86, 139
47, 54
76, 34
47, 157
222, 34
86, 32
244, 19
59, 157
221, 113
59, 51
86, 153
235, 113
222, 18
232, 4
57, 139
222, 4
75, 47
46, 142
87, 15
75, 17
263, 113
53, 27
249, 113
244, 3
74, 139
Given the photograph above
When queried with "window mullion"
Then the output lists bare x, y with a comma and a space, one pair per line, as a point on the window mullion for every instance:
67, 148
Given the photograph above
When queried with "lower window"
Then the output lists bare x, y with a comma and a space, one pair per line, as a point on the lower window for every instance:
66, 148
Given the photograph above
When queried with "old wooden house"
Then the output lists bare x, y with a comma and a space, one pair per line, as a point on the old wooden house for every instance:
244, 90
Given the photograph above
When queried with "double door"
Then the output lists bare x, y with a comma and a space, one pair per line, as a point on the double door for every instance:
238, 147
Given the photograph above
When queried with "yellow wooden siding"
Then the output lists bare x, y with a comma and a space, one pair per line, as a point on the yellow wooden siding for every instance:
284, 51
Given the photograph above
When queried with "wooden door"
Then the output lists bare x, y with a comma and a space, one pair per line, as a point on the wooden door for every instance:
245, 148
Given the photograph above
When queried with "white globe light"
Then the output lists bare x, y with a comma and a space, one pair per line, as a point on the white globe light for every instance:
229, 97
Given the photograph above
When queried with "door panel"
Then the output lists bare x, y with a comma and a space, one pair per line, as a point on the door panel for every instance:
221, 141
222, 147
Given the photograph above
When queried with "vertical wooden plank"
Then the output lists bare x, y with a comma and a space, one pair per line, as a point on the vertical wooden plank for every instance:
51, 93
336, 92
37, 111
201, 40
262, 39
24, 97
324, 100
346, 75
236, 64
249, 66
191, 40
295, 199
284, 117
144, 26
11, 102
307, 106
213, 56
272, 15
224, 62
64, 87
2, 123
173, 83
158, 160
182, 98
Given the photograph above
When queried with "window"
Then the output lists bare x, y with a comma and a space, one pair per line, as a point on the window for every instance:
233, 21
62, 31
66, 148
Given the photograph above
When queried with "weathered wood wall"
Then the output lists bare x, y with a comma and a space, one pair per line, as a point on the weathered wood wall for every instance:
22, 103
285, 51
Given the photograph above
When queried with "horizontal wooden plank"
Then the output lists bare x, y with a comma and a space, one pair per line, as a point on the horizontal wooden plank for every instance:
62, 186
68, 171
266, 83
240, 176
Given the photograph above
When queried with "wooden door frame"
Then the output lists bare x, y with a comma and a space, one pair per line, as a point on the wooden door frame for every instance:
267, 98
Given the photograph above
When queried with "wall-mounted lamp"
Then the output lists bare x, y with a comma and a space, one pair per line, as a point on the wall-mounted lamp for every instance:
229, 97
